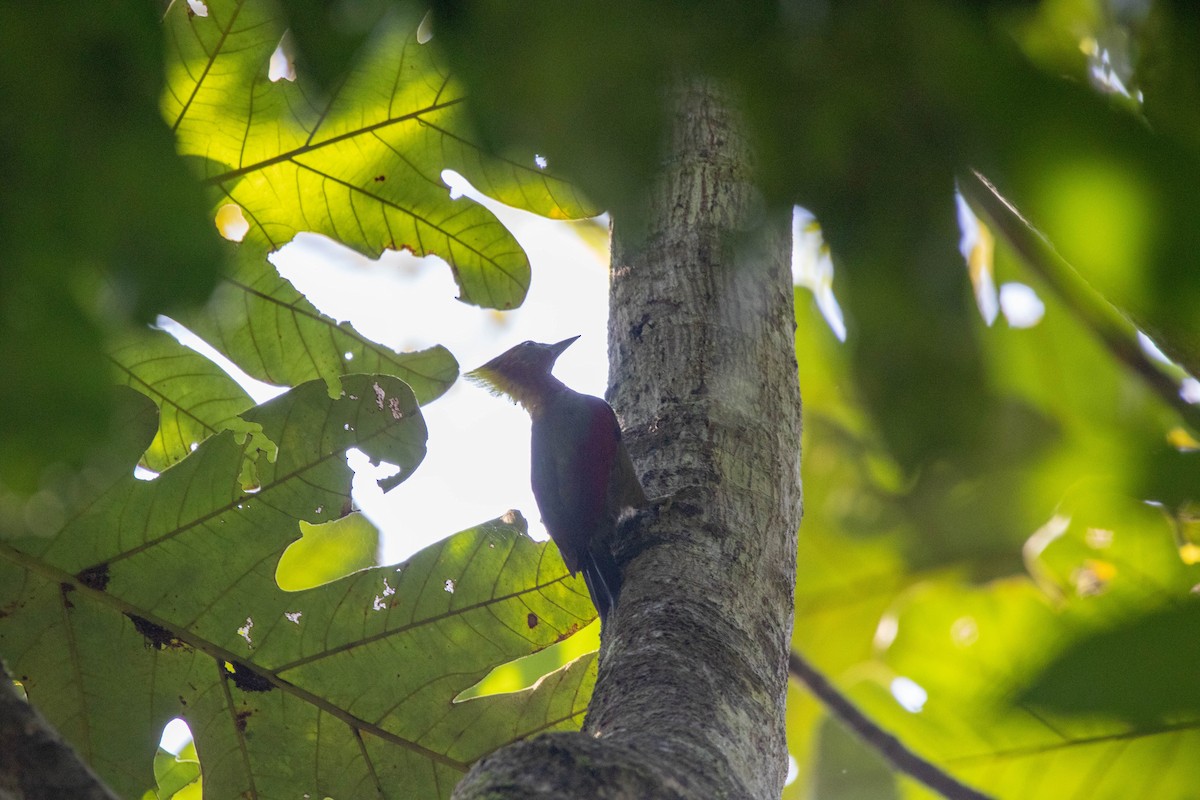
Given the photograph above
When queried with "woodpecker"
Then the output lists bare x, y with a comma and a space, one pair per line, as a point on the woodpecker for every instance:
583, 479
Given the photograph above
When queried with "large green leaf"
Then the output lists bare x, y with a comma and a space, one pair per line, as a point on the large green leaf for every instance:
361, 165
158, 599
195, 398
261, 323
259, 320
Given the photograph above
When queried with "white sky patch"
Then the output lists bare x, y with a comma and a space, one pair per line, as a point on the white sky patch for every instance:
176, 735
258, 390
1190, 390
812, 268
198, 8
793, 771
458, 185
977, 250
909, 694
1021, 305
281, 66
425, 29
1151, 349
143, 474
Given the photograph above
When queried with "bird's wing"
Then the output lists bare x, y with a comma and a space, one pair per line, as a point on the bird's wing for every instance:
575, 443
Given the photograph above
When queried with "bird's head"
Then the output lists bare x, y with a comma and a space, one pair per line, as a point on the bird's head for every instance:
520, 372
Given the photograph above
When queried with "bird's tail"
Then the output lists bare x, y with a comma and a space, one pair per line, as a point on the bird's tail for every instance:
603, 579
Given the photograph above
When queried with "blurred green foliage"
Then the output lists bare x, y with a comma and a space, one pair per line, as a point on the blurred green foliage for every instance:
101, 224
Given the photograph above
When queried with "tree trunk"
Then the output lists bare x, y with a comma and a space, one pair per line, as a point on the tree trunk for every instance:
689, 701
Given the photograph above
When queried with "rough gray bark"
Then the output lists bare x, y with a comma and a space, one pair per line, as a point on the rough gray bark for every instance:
689, 701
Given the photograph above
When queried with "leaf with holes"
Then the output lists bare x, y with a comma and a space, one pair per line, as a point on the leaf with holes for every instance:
260, 321
158, 599
362, 165
264, 325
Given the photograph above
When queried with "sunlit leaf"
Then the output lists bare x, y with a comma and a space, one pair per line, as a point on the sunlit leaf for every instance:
158, 599
259, 320
327, 552
361, 165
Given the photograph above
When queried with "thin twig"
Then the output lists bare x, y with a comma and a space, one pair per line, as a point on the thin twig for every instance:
898, 755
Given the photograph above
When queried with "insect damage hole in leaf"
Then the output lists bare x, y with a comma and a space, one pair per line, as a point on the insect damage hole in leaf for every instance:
176, 735
244, 631
379, 603
425, 29
231, 222
282, 65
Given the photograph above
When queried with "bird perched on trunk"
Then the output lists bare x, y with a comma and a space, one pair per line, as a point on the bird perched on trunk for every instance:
583, 479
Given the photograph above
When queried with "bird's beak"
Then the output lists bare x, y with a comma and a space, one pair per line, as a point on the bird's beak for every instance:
558, 348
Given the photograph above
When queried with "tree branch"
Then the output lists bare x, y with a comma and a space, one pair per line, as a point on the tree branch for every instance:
692, 680
35, 762
900, 757
1116, 333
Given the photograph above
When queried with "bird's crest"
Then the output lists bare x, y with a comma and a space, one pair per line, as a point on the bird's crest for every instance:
492, 380
521, 373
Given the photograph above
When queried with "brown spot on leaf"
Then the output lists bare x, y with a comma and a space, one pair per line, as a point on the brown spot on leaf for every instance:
531, 620
248, 680
66, 590
571, 631
157, 637
94, 577
240, 720
380, 178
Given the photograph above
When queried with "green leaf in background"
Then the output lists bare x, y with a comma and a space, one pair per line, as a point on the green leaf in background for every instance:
362, 165
172, 774
158, 599
1097, 564
1140, 672
847, 769
100, 222
327, 552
